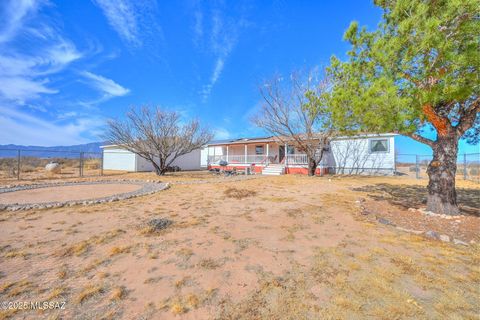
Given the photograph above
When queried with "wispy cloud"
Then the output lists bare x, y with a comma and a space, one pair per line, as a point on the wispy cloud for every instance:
121, 16
21, 128
21, 89
224, 37
12, 16
108, 87
221, 133
197, 26
34, 63
25, 77
132, 20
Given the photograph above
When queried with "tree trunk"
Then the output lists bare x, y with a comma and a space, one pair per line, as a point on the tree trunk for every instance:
312, 167
442, 197
160, 168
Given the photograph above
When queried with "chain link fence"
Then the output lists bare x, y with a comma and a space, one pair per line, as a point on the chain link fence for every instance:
415, 166
32, 164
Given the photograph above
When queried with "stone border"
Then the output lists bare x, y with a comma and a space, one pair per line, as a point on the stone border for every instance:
148, 187
428, 234
219, 180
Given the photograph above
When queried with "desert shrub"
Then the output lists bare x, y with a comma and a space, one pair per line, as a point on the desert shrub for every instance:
156, 225
92, 164
27, 168
474, 171
239, 193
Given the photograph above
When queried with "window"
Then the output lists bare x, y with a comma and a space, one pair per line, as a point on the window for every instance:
258, 150
290, 150
378, 145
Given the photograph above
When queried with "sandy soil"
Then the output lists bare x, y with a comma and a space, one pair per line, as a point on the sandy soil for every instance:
66, 193
288, 247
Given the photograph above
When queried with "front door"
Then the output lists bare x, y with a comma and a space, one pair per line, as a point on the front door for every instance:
281, 153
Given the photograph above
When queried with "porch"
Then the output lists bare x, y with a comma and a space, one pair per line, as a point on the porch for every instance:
259, 154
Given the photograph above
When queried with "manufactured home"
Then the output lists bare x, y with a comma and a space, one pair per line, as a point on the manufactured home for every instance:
362, 154
117, 158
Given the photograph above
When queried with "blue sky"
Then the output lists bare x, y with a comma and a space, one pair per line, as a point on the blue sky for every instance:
67, 66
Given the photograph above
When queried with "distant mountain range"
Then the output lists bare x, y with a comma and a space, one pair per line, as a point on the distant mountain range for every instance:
10, 150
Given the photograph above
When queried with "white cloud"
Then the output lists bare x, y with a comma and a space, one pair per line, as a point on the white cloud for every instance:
21, 128
24, 77
107, 86
12, 16
121, 16
21, 89
134, 21
221, 133
223, 39
198, 27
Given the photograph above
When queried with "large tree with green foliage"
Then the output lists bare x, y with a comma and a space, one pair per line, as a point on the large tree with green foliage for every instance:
419, 70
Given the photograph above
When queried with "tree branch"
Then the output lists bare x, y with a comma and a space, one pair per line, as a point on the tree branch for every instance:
421, 139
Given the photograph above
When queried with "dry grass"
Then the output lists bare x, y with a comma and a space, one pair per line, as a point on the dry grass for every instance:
118, 293
119, 250
209, 264
57, 293
89, 292
237, 193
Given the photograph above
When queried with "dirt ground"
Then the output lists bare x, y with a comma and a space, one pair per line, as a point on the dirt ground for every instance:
282, 247
66, 193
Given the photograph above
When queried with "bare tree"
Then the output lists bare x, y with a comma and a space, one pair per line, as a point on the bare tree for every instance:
293, 110
157, 135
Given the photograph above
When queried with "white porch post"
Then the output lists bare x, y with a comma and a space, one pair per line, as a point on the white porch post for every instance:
286, 154
267, 155
227, 153
246, 160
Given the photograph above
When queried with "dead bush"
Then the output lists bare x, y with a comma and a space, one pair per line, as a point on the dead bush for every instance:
239, 193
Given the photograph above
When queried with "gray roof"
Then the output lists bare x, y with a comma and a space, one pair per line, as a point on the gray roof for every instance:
241, 140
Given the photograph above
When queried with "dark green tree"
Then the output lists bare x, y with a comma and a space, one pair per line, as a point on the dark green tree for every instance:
418, 71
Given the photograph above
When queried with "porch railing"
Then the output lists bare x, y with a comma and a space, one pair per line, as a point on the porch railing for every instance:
296, 159
233, 159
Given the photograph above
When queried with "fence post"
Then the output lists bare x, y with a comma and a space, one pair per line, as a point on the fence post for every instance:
81, 164
18, 164
101, 165
417, 168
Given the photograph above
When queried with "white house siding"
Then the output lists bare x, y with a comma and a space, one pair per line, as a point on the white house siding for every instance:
144, 165
353, 156
189, 161
118, 159
115, 158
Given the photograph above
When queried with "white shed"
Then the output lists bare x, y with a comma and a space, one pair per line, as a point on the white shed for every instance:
117, 158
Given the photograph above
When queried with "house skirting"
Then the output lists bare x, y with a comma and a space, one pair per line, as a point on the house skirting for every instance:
256, 168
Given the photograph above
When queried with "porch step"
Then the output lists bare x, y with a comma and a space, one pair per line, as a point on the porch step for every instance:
273, 170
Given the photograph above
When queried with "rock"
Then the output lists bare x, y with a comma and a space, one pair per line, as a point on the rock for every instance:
472, 242
53, 167
460, 242
410, 230
444, 238
412, 209
159, 224
385, 221
432, 234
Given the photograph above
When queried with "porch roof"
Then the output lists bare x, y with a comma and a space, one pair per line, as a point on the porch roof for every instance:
243, 141
275, 139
